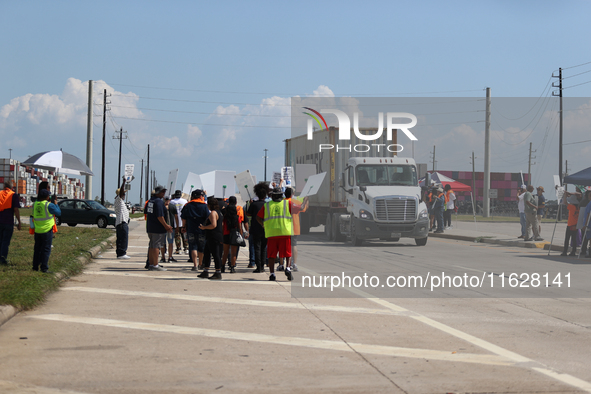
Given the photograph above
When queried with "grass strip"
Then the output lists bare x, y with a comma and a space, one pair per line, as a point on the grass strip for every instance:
24, 288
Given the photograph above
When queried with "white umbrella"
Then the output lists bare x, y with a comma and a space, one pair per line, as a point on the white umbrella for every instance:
59, 161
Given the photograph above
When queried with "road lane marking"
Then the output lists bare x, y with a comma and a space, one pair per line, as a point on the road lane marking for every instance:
158, 275
380, 350
495, 349
275, 304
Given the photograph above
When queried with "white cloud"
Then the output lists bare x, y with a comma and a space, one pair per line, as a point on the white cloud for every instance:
322, 91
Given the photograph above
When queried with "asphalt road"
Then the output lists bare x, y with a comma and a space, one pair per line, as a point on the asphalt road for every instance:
120, 329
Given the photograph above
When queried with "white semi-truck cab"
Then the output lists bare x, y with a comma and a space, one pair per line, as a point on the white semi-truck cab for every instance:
383, 200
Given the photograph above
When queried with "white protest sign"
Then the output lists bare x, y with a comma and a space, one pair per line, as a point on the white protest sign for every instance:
245, 185
276, 178
287, 175
302, 173
218, 183
193, 182
171, 182
129, 172
559, 189
313, 185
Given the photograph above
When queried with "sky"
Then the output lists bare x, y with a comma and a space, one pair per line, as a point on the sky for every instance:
208, 84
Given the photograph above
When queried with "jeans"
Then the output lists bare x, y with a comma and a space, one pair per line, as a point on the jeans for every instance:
6, 231
260, 244
439, 218
522, 221
42, 250
122, 231
570, 234
447, 217
251, 260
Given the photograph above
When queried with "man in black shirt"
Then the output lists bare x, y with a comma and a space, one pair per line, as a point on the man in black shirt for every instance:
194, 214
257, 231
156, 227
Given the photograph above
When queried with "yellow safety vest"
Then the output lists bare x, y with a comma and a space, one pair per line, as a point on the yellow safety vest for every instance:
277, 219
44, 221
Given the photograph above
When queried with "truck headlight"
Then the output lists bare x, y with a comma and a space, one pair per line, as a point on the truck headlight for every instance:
365, 215
424, 214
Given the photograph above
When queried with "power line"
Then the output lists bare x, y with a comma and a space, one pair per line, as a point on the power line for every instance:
571, 76
579, 142
202, 124
579, 84
578, 65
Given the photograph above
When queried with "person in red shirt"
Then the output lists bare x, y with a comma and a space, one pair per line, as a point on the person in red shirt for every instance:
572, 199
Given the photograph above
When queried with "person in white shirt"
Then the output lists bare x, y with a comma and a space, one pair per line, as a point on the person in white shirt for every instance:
179, 202
521, 207
121, 222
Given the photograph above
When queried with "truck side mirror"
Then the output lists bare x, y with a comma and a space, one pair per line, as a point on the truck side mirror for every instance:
342, 182
362, 188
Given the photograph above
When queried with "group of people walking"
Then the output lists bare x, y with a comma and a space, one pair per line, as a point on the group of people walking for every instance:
214, 229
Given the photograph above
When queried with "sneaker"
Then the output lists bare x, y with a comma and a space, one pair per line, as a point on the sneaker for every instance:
232, 270
204, 274
147, 266
190, 261
438, 232
251, 266
272, 277
257, 271
193, 268
177, 252
280, 268
539, 239
172, 259
288, 273
528, 239
124, 257
163, 260
216, 276
156, 268
294, 268
521, 236
563, 254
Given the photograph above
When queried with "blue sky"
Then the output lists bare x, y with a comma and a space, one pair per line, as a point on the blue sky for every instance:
236, 64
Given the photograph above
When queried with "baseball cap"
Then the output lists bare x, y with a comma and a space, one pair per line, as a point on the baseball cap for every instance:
43, 193
196, 193
277, 190
159, 189
178, 194
523, 186
541, 188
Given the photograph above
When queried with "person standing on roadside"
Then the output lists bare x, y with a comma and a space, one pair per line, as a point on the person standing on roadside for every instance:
44, 213
156, 227
9, 209
437, 209
450, 199
194, 214
257, 233
171, 218
541, 207
214, 236
121, 222
521, 208
179, 202
531, 215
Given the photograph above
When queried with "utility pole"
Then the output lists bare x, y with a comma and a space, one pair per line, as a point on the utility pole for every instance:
120, 137
486, 189
473, 185
10, 152
89, 123
142, 183
266, 157
147, 172
565, 174
434, 161
559, 86
530, 164
104, 141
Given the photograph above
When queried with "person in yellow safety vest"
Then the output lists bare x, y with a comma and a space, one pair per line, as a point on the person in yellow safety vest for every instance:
9, 208
44, 222
276, 219
296, 227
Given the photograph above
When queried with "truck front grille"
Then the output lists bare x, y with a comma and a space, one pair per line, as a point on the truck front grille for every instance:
396, 209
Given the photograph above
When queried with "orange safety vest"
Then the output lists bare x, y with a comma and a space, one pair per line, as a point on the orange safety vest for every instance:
6, 199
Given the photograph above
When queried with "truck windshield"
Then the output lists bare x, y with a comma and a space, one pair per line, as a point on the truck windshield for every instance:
386, 175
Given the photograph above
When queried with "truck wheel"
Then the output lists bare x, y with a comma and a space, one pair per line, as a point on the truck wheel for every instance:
336, 229
328, 227
354, 240
421, 241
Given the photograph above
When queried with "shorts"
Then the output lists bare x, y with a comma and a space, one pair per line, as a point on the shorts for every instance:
281, 245
170, 237
196, 242
226, 239
157, 240
294, 240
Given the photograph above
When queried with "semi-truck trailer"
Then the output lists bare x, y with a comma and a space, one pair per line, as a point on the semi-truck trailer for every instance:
368, 193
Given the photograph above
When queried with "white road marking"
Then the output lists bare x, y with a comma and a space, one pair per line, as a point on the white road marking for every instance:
193, 277
507, 354
273, 304
392, 351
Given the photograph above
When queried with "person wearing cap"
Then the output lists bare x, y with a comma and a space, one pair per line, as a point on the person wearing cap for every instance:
521, 208
276, 219
531, 215
437, 209
9, 208
541, 207
121, 222
571, 200
44, 213
450, 197
194, 214
586, 224
156, 227
171, 218
179, 202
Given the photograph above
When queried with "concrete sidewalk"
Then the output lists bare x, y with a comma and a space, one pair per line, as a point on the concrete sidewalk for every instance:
505, 233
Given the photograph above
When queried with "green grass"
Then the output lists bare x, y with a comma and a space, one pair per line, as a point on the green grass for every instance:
24, 288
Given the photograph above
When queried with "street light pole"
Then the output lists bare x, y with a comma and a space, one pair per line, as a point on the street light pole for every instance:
266, 150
